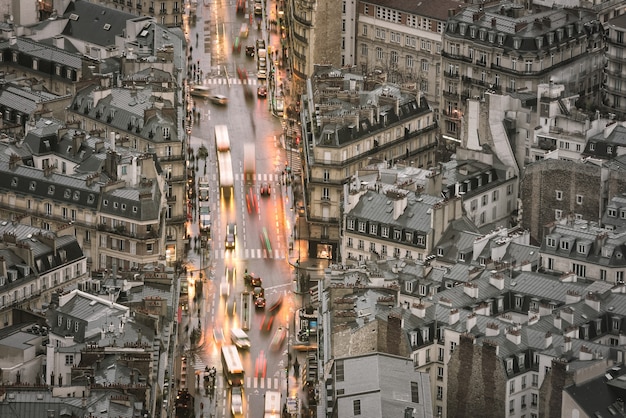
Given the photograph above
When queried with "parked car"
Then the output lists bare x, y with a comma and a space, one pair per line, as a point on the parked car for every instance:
250, 50
252, 280
260, 44
259, 303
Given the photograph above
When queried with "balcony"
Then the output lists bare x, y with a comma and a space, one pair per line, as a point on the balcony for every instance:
150, 9
474, 81
451, 74
163, 11
456, 57
171, 198
176, 10
301, 38
301, 20
172, 158
481, 63
450, 95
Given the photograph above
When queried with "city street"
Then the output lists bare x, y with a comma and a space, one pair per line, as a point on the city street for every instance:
263, 229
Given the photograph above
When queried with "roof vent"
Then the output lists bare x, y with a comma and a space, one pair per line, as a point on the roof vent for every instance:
107, 26
74, 16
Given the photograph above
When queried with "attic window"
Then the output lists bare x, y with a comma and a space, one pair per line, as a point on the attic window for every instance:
76, 195
105, 202
439, 252
67, 193
123, 206
134, 209
32, 185
74, 16
107, 26
50, 189
115, 205
91, 198
14, 181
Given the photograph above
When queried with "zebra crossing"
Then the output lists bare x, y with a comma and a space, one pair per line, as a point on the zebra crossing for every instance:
249, 253
265, 383
260, 177
198, 364
234, 80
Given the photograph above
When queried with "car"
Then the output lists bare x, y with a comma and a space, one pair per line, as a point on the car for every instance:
252, 203
276, 305
237, 45
243, 32
240, 338
266, 325
278, 339
230, 274
258, 292
266, 189
231, 232
261, 74
261, 91
260, 365
252, 280
236, 401
250, 50
219, 99
242, 73
258, 8
200, 91
259, 303
260, 44
218, 335
224, 289
231, 306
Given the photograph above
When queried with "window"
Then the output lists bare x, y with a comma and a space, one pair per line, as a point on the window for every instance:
559, 195
415, 396
339, 376
379, 53
69, 359
365, 28
394, 57
149, 247
350, 242
557, 214
325, 193
495, 195
440, 373
512, 386
409, 61
535, 380
579, 199
397, 235
373, 229
361, 226
534, 397
512, 405
351, 224
356, 405
439, 393
364, 50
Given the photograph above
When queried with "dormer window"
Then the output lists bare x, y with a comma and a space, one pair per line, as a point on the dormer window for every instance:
492, 37
351, 224
67, 193
481, 34
91, 198
612, 212
50, 190
565, 245
76, 195
373, 229
539, 42
105, 202
609, 149
622, 213
501, 39
517, 42
462, 28
408, 236
115, 205
134, 209
473, 32
582, 248
550, 38
439, 252
551, 242
166, 132
32, 186
361, 226
592, 146
14, 182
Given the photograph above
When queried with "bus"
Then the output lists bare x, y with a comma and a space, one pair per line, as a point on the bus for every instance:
222, 143
249, 162
272, 404
225, 167
233, 369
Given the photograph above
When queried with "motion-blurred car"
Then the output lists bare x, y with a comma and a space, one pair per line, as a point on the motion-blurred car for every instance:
250, 50
266, 189
224, 289
278, 339
236, 401
200, 91
261, 91
218, 335
252, 203
231, 232
259, 303
219, 99
275, 307
266, 325
252, 280
260, 44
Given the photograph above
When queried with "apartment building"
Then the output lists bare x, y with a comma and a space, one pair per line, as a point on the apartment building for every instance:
394, 224
343, 130
585, 250
511, 47
571, 190
401, 42
317, 31
34, 264
144, 121
166, 12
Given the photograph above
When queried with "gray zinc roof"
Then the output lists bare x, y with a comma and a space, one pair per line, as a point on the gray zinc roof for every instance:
94, 23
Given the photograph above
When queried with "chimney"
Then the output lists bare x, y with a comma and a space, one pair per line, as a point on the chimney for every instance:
567, 314
3, 267
493, 22
567, 344
585, 353
399, 200
454, 316
59, 41
592, 300
548, 339
471, 290
496, 280
557, 321
471, 321
572, 296
514, 335
492, 329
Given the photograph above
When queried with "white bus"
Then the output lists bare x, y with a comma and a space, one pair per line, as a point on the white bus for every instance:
225, 166
272, 404
222, 143
233, 369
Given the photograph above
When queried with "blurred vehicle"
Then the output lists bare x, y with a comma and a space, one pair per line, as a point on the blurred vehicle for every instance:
230, 274
252, 280
275, 307
260, 44
231, 232
231, 305
259, 303
265, 241
236, 45
258, 292
278, 339
250, 50
236, 401
205, 217
242, 73
243, 32
267, 323
219, 99
261, 91
224, 289
258, 8
200, 91
261, 74
266, 189
240, 338
252, 202
260, 365
218, 335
